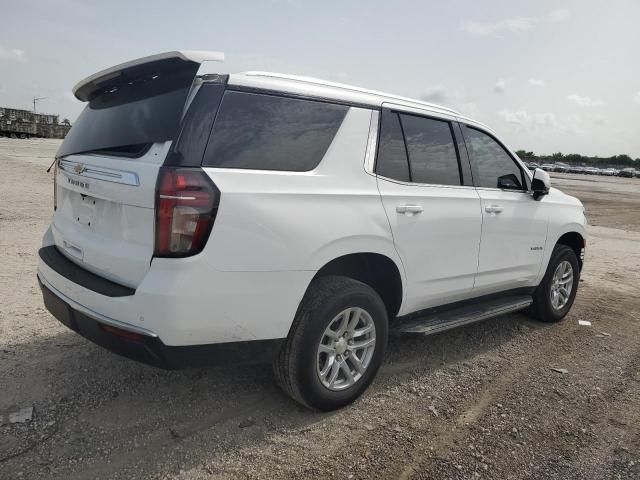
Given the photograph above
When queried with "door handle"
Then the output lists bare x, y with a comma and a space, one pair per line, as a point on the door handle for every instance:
409, 209
493, 209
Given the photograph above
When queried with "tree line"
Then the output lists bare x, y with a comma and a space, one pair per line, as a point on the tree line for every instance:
577, 159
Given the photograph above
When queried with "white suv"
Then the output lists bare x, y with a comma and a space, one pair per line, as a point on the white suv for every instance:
256, 217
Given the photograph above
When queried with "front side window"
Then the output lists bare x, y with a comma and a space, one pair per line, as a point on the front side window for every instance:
431, 149
493, 166
392, 156
267, 132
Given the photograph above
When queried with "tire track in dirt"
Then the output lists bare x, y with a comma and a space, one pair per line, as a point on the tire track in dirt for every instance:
472, 416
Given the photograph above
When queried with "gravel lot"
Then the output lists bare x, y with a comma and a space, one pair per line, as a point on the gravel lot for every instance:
476, 402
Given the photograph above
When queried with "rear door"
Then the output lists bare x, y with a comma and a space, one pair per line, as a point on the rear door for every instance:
108, 165
514, 227
433, 209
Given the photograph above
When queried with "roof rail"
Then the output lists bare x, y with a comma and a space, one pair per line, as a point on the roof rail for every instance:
343, 86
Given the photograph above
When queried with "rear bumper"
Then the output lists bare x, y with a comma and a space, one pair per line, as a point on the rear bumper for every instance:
148, 348
182, 301
62, 266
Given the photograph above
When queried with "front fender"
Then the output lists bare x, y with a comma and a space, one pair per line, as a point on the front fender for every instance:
552, 240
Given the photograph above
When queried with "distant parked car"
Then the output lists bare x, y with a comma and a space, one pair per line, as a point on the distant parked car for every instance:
575, 169
609, 172
627, 172
591, 171
561, 167
532, 166
548, 167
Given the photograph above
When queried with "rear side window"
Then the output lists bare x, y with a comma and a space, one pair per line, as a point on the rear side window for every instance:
492, 166
392, 159
267, 132
431, 149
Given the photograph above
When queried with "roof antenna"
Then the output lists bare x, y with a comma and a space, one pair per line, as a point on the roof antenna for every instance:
49, 169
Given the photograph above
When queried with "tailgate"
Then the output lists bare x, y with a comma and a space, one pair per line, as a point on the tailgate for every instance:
104, 219
108, 165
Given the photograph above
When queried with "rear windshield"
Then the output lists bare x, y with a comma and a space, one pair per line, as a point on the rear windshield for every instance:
125, 118
270, 132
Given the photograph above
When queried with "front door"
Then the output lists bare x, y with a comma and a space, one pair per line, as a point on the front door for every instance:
514, 225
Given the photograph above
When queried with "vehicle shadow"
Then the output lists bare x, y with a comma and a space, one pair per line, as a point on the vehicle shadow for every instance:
109, 414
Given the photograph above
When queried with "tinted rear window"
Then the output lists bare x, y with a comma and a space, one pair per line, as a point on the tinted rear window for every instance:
432, 153
144, 111
267, 132
392, 155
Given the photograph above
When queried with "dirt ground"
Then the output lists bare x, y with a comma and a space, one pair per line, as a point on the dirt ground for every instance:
477, 402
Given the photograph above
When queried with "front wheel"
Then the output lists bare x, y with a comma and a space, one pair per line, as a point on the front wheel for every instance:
335, 345
554, 297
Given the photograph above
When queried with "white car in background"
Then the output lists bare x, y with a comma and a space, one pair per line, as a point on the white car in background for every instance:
209, 219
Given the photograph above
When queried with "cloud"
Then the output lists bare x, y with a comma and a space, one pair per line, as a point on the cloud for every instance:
12, 54
636, 98
513, 24
534, 82
455, 98
585, 101
509, 25
559, 15
435, 94
600, 120
519, 117
500, 86
546, 119
523, 120
469, 109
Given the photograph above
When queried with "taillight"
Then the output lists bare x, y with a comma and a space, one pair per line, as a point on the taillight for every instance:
55, 186
186, 206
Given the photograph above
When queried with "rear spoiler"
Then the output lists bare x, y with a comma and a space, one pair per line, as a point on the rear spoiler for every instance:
86, 89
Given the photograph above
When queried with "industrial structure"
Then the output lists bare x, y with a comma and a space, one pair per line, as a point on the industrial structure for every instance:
16, 123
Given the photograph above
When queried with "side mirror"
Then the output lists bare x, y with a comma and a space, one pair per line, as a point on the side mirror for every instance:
509, 182
540, 184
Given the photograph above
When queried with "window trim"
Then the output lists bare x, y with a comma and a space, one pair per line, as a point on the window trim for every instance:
525, 187
411, 182
406, 147
467, 157
372, 143
299, 96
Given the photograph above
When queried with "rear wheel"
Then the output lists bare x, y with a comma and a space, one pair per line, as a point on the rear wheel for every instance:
554, 297
335, 345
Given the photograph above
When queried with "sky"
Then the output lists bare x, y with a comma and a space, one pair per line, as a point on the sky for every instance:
547, 76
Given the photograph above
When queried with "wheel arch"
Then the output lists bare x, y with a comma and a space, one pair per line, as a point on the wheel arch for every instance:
574, 240
377, 270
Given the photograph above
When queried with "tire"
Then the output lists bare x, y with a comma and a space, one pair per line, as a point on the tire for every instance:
543, 308
297, 366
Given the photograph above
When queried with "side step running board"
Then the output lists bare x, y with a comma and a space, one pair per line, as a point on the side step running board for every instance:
440, 319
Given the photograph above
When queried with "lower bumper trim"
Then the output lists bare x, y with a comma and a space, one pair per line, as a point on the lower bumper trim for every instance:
151, 350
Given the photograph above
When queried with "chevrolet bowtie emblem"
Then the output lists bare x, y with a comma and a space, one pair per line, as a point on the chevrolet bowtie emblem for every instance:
79, 168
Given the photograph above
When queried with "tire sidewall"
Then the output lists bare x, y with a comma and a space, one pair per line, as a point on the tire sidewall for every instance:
311, 388
562, 254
